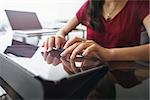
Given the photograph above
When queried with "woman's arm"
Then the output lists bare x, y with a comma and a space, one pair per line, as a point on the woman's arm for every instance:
69, 26
130, 53
59, 40
115, 54
90, 48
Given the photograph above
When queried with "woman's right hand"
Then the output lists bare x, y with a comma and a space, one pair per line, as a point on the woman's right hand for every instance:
57, 41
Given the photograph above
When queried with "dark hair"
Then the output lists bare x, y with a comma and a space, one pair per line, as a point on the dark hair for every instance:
95, 11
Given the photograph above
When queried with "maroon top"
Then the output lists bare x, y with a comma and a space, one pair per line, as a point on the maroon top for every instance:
121, 31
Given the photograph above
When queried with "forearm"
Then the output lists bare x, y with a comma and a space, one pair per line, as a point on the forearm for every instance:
129, 53
71, 24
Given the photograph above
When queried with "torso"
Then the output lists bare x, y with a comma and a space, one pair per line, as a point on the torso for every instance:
124, 28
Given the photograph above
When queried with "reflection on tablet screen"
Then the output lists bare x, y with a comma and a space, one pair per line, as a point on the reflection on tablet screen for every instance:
78, 65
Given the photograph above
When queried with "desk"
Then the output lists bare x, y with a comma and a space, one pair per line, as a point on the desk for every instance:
33, 78
126, 80
29, 78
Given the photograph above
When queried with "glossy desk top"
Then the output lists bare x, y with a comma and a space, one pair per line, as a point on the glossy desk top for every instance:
58, 67
128, 74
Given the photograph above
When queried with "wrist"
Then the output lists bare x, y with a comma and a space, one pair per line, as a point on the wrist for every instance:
109, 54
61, 36
105, 53
61, 33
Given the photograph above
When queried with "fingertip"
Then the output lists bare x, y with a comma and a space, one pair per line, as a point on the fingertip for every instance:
84, 54
65, 46
62, 54
48, 49
72, 56
57, 46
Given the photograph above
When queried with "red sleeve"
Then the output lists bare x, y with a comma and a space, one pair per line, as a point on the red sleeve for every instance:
81, 12
143, 9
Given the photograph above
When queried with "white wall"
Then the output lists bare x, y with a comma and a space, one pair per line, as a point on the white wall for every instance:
47, 10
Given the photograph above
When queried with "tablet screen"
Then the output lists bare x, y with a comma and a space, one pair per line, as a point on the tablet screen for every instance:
78, 65
55, 67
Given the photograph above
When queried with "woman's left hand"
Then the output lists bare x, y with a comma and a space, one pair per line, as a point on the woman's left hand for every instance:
88, 48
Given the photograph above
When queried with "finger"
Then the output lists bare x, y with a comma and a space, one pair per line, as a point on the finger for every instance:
51, 42
88, 50
65, 63
79, 49
69, 50
63, 43
67, 67
58, 42
45, 44
72, 41
45, 54
73, 66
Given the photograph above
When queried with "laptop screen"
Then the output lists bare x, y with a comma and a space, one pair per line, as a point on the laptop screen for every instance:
20, 20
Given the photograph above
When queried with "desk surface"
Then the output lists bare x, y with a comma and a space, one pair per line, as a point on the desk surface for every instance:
58, 69
126, 80
127, 74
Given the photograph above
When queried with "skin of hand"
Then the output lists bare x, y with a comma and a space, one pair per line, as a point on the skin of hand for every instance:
57, 41
86, 47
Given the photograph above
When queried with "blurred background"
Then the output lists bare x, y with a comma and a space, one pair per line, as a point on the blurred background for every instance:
48, 11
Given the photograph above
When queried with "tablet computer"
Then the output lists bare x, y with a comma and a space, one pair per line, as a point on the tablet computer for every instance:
72, 67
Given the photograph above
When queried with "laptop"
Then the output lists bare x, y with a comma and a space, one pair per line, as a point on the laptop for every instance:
26, 23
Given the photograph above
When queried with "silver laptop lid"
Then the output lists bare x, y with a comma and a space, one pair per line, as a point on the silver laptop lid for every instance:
21, 20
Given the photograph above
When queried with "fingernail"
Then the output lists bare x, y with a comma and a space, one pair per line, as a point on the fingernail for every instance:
72, 57
49, 49
62, 54
64, 47
57, 47
84, 54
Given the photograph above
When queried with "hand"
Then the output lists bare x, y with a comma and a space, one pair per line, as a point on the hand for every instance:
57, 41
86, 47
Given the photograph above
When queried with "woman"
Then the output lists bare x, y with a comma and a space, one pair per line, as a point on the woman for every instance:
113, 34
113, 31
